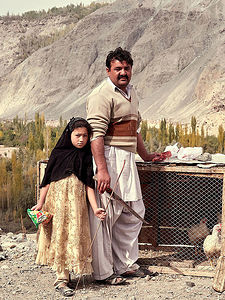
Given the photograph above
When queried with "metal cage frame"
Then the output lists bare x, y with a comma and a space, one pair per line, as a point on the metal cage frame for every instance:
165, 185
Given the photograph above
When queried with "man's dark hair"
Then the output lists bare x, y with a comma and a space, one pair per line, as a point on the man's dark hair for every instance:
120, 55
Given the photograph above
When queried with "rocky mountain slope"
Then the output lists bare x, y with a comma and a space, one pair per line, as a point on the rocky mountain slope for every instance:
178, 49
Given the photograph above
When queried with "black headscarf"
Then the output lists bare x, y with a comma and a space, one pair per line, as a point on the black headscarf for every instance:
65, 159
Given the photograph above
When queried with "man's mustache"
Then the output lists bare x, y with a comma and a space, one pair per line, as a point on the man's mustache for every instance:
122, 76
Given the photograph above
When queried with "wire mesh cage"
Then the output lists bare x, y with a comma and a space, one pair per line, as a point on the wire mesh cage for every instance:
183, 204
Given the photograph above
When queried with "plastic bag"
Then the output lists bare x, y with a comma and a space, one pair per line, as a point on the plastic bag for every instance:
173, 149
189, 153
39, 216
218, 158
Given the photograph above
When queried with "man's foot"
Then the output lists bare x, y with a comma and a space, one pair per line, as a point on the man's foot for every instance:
113, 280
141, 272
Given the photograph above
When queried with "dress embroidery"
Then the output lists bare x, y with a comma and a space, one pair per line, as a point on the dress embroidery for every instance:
64, 243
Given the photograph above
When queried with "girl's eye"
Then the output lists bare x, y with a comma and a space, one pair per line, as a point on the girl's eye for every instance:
79, 135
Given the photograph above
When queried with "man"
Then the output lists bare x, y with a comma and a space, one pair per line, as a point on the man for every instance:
112, 111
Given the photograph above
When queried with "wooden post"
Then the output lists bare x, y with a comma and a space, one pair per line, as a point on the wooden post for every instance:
219, 278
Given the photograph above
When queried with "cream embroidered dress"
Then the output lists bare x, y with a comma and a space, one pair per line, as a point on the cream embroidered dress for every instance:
64, 243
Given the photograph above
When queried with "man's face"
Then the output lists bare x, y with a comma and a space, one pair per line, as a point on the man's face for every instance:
120, 73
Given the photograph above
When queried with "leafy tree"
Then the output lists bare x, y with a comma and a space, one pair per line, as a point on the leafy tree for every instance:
220, 139
144, 128
3, 184
211, 144
186, 137
60, 121
193, 124
163, 132
31, 142
171, 133
202, 138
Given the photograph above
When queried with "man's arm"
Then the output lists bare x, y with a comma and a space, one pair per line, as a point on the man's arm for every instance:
143, 152
97, 147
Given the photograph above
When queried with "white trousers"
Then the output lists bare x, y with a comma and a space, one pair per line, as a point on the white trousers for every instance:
115, 247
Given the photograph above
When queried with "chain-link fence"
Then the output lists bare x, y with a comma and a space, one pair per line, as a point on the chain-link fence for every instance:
183, 204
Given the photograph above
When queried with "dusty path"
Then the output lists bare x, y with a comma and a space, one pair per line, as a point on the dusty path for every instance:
21, 279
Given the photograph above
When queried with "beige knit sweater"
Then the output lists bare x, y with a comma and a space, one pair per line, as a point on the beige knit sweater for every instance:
106, 105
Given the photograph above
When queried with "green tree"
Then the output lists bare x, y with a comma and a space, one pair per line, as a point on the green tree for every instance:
171, 134
144, 128
177, 132
193, 124
17, 182
60, 121
220, 139
3, 184
186, 136
31, 142
202, 138
163, 132
211, 144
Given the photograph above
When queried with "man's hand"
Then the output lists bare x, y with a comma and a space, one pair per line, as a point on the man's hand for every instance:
162, 156
103, 179
154, 156
150, 156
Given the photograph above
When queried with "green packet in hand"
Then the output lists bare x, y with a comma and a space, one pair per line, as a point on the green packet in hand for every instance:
39, 216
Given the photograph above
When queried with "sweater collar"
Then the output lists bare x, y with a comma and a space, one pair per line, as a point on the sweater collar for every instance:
115, 88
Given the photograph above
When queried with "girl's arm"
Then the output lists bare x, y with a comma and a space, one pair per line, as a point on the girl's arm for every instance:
99, 212
41, 200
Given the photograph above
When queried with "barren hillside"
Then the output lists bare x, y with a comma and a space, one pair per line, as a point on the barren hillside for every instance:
178, 49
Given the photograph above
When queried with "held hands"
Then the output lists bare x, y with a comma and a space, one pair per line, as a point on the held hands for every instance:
100, 213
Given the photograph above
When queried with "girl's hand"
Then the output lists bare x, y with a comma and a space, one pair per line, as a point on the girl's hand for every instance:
100, 213
37, 207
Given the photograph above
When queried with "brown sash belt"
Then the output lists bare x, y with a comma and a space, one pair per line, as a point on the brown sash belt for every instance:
124, 128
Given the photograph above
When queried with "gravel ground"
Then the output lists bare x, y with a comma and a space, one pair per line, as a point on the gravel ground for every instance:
21, 279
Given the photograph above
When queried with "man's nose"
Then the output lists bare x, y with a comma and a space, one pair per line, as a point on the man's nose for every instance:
81, 138
123, 72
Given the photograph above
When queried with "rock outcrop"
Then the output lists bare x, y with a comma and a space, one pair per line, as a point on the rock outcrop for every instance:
178, 50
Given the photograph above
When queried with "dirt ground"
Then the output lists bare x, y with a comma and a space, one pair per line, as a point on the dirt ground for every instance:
21, 279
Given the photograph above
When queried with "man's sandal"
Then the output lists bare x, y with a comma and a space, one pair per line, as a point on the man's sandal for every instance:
61, 286
135, 273
113, 280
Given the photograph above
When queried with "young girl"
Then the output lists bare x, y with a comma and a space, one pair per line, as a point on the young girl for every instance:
65, 241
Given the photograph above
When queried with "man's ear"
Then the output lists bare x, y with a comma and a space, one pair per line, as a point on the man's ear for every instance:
107, 70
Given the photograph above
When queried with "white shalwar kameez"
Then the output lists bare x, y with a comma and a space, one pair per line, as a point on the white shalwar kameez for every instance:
115, 249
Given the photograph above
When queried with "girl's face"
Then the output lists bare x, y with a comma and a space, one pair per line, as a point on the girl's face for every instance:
79, 137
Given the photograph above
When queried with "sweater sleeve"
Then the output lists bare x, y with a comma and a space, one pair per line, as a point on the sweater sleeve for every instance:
99, 110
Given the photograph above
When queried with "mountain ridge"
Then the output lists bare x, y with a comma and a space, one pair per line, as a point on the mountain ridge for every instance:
178, 52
